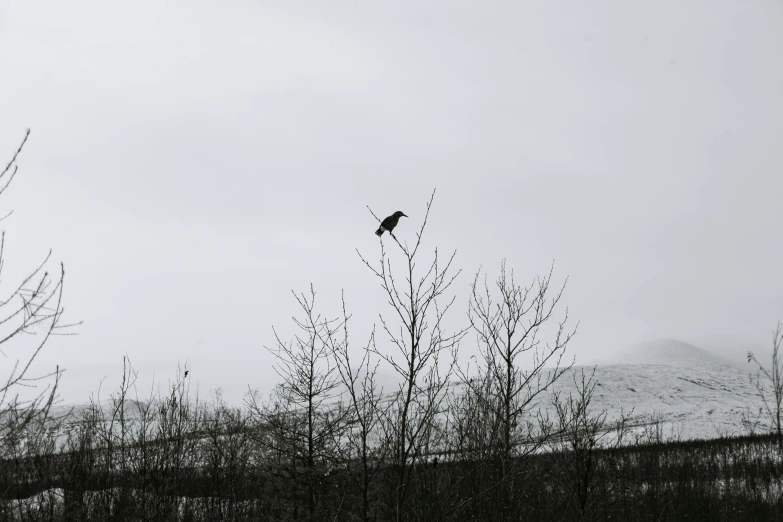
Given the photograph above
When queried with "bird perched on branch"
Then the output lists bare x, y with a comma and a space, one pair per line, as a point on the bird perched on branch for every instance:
389, 223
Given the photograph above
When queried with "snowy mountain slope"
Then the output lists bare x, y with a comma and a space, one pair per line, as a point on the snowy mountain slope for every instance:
697, 394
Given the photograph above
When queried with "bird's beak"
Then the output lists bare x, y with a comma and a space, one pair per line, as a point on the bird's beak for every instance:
405, 215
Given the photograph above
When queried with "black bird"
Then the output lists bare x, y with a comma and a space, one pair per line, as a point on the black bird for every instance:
389, 223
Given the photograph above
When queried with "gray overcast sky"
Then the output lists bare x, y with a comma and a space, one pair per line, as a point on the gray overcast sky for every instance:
192, 162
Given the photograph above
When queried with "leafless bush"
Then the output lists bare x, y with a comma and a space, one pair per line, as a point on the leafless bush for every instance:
362, 453
514, 368
576, 437
769, 384
297, 425
229, 458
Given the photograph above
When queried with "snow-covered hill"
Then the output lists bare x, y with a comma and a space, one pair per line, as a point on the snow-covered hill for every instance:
694, 392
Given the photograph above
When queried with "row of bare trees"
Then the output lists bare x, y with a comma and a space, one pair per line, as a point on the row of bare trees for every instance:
173, 456
328, 413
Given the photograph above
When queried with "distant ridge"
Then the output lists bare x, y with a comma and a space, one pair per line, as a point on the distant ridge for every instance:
671, 352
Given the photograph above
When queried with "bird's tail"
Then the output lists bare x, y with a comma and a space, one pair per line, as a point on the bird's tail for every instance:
379, 232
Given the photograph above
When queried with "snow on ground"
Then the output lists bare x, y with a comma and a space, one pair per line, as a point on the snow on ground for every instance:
695, 393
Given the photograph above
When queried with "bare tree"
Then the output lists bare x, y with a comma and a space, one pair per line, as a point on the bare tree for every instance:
515, 368
769, 383
418, 340
360, 448
299, 424
497, 420
575, 438
30, 313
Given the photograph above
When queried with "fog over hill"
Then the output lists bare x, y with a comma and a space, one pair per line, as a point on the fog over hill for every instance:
665, 351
